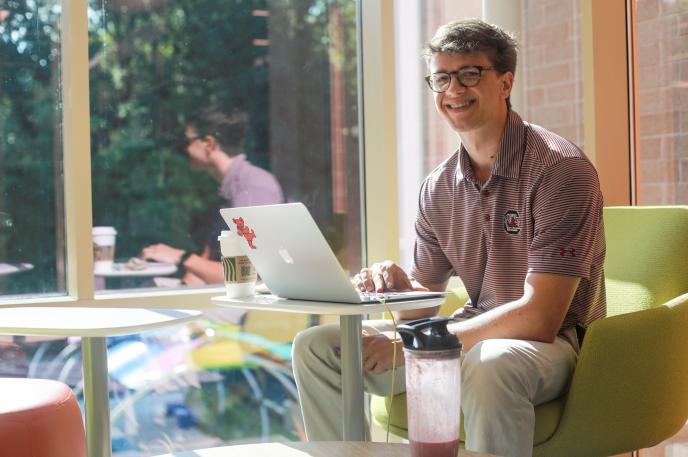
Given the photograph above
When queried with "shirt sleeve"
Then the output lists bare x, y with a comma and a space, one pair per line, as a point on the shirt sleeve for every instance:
430, 264
567, 213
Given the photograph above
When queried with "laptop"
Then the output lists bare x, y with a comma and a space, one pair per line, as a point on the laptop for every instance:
293, 258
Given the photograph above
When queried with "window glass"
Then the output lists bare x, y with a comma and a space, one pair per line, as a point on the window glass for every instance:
31, 197
273, 82
200, 105
662, 168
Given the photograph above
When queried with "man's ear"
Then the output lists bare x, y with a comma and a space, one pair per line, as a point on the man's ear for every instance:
507, 83
210, 143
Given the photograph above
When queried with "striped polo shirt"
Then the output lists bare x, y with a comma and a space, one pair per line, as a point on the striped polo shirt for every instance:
540, 211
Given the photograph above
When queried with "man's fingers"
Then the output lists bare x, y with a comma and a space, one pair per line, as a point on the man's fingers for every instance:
369, 364
358, 282
379, 281
389, 279
379, 369
367, 284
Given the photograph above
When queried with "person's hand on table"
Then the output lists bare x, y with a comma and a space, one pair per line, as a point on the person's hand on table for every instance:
378, 352
385, 276
162, 253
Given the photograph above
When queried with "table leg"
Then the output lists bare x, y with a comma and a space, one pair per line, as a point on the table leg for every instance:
96, 396
352, 378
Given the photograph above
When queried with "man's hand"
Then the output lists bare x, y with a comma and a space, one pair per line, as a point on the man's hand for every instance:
378, 352
162, 253
384, 276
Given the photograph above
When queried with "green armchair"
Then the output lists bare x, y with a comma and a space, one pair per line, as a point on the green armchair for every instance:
630, 387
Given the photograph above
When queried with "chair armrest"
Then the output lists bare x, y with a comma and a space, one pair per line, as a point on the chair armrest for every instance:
630, 387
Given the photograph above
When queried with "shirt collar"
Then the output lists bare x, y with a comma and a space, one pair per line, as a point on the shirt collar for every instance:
235, 166
509, 155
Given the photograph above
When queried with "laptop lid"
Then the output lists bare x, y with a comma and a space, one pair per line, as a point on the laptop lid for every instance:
290, 253
292, 256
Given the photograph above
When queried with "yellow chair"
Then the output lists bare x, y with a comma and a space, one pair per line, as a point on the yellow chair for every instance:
630, 387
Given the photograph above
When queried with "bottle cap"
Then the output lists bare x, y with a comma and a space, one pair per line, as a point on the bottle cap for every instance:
430, 334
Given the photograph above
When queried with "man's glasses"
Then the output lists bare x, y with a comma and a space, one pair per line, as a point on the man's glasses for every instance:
467, 77
190, 140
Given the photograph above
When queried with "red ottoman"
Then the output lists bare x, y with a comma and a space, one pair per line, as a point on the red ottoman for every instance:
39, 418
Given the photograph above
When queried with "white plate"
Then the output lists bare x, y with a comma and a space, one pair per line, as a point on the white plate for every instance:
119, 269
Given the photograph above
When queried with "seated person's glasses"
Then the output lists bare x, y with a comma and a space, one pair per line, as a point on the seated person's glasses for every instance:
467, 77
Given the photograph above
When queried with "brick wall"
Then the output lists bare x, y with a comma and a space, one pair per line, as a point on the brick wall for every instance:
663, 101
551, 59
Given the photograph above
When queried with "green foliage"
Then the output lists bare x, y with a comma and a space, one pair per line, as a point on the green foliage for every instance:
28, 106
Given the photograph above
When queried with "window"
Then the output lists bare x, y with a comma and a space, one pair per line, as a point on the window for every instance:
662, 168
284, 74
275, 81
31, 211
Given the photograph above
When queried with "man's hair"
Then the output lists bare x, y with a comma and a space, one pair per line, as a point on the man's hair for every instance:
473, 35
228, 130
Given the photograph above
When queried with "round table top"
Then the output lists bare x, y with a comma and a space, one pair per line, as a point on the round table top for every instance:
312, 449
274, 303
120, 270
88, 322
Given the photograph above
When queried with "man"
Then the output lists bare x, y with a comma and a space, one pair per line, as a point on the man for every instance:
516, 212
214, 141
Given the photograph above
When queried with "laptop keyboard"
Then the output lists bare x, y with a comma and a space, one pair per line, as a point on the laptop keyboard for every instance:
373, 297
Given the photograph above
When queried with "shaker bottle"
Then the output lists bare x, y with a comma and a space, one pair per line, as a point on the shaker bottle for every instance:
433, 387
239, 273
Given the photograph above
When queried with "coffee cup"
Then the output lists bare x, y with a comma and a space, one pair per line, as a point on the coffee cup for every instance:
239, 273
103, 248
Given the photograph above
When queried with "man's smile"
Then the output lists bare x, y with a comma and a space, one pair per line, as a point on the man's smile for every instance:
458, 105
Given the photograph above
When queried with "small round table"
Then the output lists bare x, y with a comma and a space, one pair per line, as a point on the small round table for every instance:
350, 318
120, 270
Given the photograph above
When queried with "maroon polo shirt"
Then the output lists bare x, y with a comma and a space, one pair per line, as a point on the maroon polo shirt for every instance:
540, 211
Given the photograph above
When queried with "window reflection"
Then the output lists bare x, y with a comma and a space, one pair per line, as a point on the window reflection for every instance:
166, 77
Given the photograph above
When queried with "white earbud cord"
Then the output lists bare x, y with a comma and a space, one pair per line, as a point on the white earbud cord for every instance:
394, 366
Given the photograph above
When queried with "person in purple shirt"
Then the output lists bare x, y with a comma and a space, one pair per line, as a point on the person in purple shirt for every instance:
214, 141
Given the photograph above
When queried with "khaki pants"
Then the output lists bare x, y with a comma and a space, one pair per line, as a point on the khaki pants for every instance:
502, 380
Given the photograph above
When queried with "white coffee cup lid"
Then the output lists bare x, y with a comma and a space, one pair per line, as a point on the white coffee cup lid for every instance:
226, 234
104, 231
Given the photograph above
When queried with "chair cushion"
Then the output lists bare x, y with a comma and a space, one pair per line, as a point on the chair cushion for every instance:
40, 418
547, 416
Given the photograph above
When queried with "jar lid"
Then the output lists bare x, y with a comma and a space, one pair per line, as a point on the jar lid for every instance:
104, 231
227, 234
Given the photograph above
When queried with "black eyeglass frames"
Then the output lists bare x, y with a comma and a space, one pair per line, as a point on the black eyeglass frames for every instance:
467, 77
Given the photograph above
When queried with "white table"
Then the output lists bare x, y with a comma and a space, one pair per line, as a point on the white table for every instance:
350, 317
120, 270
93, 325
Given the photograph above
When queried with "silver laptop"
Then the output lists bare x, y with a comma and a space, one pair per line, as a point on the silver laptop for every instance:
293, 258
